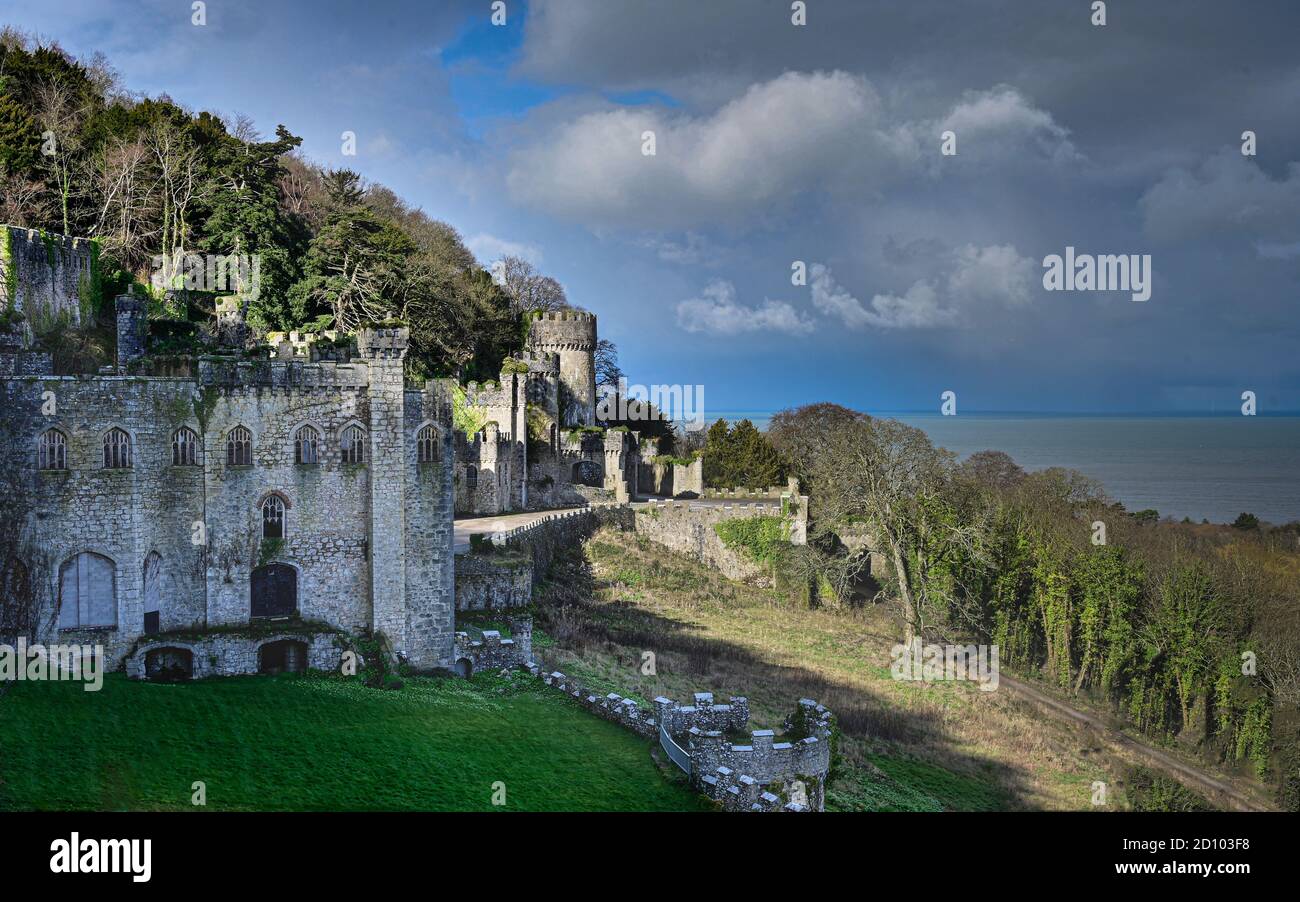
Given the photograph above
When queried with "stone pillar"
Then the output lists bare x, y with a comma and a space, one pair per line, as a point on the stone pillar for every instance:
384, 350
131, 325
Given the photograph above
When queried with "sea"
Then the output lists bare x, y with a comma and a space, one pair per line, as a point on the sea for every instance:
1200, 467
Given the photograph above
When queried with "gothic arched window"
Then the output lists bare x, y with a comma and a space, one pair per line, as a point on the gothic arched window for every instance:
52, 450
117, 449
185, 447
306, 445
273, 517
353, 445
239, 447
426, 445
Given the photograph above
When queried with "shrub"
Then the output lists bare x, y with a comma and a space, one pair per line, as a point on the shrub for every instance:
762, 538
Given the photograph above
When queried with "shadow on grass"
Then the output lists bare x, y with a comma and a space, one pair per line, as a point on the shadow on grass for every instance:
571, 612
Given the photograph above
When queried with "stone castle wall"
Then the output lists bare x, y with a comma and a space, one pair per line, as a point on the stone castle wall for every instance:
689, 529
572, 335
44, 275
370, 543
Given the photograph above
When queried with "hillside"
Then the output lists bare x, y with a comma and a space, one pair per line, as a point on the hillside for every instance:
942, 746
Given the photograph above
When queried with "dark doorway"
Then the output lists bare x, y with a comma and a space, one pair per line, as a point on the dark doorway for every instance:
588, 472
464, 668
284, 656
169, 665
274, 591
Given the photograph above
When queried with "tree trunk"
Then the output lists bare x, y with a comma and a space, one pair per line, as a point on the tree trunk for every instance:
905, 593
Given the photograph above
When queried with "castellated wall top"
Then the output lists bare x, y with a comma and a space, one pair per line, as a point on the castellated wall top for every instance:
567, 329
45, 272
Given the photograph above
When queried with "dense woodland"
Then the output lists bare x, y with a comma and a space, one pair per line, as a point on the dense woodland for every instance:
145, 177
1189, 631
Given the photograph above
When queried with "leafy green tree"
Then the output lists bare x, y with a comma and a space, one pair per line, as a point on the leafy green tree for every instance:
241, 215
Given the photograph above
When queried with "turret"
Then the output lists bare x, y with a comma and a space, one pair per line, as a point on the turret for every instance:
572, 335
132, 321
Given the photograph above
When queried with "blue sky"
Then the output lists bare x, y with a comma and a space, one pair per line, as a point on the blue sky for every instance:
818, 144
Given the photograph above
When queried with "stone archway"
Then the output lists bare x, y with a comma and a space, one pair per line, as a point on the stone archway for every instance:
589, 473
169, 665
282, 656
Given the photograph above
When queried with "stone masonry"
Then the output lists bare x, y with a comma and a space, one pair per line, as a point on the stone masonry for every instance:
173, 526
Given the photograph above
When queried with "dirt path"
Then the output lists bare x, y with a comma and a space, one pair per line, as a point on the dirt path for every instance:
1220, 790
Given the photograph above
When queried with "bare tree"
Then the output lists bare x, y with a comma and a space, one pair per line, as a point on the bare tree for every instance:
528, 289
177, 163
60, 113
302, 193
890, 477
119, 180
608, 372
22, 201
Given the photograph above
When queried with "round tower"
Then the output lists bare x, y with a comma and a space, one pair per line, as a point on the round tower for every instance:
572, 335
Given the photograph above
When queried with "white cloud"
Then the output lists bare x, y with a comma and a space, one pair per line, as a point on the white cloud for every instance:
1001, 124
917, 308
716, 312
994, 274
488, 248
979, 279
796, 136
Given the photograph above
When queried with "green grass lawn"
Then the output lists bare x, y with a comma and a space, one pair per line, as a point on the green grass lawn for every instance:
311, 743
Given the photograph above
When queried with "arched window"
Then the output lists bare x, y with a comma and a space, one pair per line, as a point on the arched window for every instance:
471, 478
273, 517
185, 447
52, 450
87, 596
426, 444
306, 445
239, 447
117, 449
353, 445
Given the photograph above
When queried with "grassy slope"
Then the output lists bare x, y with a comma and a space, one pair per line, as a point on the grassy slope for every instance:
319, 743
907, 746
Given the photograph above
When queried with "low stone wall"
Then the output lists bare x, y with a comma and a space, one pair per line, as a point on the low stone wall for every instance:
799, 766
546, 537
495, 653
739, 777
230, 654
703, 715
610, 706
689, 529
486, 581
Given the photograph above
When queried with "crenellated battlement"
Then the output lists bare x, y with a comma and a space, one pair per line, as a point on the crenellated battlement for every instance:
562, 330
383, 342
44, 275
740, 776
235, 373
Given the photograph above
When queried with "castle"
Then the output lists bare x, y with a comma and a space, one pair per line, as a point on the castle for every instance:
264, 505
265, 496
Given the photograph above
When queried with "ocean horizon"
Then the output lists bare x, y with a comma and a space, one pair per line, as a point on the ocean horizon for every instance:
1200, 465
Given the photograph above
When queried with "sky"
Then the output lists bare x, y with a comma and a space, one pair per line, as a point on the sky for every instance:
815, 148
